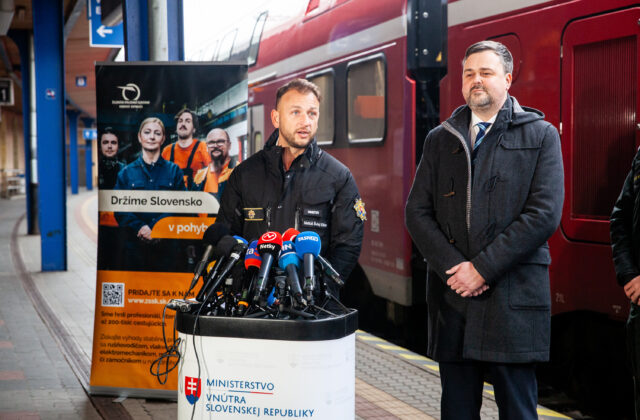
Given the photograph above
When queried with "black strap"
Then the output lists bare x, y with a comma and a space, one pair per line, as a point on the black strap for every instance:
193, 152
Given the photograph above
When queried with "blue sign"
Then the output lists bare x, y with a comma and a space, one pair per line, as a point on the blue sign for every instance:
100, 35
81, 81
90, 134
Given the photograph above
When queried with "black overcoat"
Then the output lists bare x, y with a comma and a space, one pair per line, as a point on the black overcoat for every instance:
500, 219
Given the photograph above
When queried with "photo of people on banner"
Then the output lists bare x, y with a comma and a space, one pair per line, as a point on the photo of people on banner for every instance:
195, 131
169, 135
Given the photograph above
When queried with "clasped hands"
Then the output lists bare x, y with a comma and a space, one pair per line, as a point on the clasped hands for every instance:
465, 280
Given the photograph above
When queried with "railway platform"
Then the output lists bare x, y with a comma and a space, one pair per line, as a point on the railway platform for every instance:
46, 328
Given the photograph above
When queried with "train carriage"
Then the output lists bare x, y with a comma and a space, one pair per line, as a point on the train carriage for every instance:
390, 70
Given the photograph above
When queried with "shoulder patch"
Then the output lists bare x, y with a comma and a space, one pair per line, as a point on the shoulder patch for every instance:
358, 206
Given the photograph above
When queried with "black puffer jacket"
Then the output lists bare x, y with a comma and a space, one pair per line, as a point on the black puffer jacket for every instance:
625, 226
318, 193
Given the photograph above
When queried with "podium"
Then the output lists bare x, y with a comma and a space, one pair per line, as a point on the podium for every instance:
243, 368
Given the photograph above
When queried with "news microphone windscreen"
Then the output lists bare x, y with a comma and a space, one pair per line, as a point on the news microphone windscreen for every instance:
289, 234
308, 242
213, 233
252, 258
241, 239
271, 238
225, 245
288, 255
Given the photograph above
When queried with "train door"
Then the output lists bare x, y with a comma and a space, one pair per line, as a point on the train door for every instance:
599, 118
256, 130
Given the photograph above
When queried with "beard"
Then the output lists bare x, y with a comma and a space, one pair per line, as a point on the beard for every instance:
184, 134
478, 102
219, 160
290, 140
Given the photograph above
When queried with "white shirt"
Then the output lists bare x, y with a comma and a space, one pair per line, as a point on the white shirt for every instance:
473, 127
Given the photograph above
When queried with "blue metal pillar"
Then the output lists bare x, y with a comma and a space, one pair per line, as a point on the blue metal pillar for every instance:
72, 117
21, 38
175, 30
88, 155
50, 128
136, 30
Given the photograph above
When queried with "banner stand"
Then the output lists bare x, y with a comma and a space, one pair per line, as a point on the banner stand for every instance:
266, 368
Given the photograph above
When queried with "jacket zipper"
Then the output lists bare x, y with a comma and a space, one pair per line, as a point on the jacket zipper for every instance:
460, 137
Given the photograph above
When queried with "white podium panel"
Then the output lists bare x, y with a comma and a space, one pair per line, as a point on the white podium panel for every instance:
237, 378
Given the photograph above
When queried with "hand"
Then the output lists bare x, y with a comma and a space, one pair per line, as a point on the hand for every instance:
145, 233
465, 280
632, 289
480, 290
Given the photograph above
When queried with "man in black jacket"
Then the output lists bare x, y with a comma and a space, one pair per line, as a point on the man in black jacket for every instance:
625, 244
292, 183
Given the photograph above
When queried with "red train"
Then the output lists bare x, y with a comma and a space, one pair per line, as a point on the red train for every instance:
390, 70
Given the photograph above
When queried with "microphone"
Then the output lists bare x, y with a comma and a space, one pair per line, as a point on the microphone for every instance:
308, 248
211, 237
269, 246
330, 271
235, 254
224, 248
289, 262
252, 262
289, 235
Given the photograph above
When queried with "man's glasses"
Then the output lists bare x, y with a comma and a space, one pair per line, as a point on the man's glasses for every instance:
216, 143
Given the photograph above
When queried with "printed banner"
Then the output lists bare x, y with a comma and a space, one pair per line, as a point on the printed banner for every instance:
168, 137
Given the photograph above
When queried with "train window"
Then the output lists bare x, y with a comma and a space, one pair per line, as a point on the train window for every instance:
366, 95
255, 38
324, 81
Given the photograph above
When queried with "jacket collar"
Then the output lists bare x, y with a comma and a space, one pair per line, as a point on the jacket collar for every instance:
274, 152
511, 113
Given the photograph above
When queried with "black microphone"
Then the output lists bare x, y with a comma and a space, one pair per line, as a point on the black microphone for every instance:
224, 248
211, 237
269, 246
252, 262
289, 261
308, 249
232, 257
330, 271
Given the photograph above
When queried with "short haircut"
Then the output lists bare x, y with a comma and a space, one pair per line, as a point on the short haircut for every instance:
499, 49
301, 86
194, 117
108, 130
150, 120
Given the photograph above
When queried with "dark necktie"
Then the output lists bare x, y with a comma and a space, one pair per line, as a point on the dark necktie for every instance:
482, 130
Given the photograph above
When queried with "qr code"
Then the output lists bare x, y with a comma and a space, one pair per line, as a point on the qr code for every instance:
113, 294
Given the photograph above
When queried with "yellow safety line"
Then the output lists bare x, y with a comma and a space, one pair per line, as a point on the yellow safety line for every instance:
433, 365
412, 356
390, 347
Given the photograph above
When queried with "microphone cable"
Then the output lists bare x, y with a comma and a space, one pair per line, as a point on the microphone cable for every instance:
165, 359
195, 352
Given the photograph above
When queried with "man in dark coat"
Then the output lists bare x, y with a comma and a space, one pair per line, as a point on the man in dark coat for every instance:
481, 217
625, 245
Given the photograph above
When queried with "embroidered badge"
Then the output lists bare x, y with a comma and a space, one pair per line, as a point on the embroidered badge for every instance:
360, 211
253, 214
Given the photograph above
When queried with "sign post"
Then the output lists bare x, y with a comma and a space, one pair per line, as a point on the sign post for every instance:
100, 35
